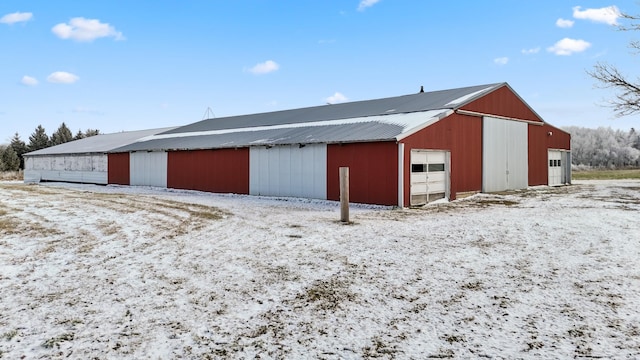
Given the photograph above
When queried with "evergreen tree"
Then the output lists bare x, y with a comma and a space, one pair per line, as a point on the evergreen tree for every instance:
61, 136
10, 160
38, 140
79, 135
91, 132
19, 147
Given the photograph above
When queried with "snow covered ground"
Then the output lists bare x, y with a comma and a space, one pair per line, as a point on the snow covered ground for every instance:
117, 272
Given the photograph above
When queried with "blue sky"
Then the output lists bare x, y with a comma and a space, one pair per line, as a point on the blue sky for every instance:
127, 65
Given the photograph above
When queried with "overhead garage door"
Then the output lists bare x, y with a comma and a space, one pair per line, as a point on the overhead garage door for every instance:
289, 170
504, 155
429, 176
148, 168
555, 167
559, 167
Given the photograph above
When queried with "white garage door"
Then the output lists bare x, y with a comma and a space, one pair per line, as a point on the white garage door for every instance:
559, 167
555, 167
505, 155
289, 170
148, 168
429, 176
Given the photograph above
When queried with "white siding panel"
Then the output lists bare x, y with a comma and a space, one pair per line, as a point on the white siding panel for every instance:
566, 167
99, 163
517, 155
494, 155
67, 168
505, 155
148, 168
86, 177
289, 171
41, 163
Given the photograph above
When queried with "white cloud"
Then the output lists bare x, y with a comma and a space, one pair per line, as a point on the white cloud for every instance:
29, 81
366, 3
564, 23
501, 60
530, 51
16, 17
568, 46
81, 29
265, 67
608, 15
61, 77
336, 98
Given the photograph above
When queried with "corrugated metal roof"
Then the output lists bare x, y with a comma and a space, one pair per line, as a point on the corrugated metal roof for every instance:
102, 143
443, 99
370, 128
370, 120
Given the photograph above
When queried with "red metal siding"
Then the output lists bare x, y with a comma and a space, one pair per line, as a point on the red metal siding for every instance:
221, 171
118, 168
462, 136
503, 102
539, 143
373, 172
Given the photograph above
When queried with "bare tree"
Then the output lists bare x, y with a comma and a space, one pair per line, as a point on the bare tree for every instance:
626, 100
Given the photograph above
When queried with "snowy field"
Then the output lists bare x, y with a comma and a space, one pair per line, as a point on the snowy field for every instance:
139, 273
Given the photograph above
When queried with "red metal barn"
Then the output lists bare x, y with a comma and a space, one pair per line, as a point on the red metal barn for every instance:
402, 151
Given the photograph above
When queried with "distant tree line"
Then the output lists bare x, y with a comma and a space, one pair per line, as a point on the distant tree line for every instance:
11, 158
604, 147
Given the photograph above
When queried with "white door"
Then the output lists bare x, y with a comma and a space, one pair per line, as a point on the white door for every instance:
289, 170
429, 176
505, 155
148, 168
555, 167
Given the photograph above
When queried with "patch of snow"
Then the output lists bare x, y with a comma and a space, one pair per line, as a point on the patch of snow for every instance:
139, 272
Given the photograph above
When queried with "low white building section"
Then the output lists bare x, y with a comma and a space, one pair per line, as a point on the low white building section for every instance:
89, 168
82, 161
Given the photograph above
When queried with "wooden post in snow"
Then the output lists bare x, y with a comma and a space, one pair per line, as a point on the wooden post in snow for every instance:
344, 194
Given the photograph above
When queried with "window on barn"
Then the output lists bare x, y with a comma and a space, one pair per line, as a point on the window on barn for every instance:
418, 168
